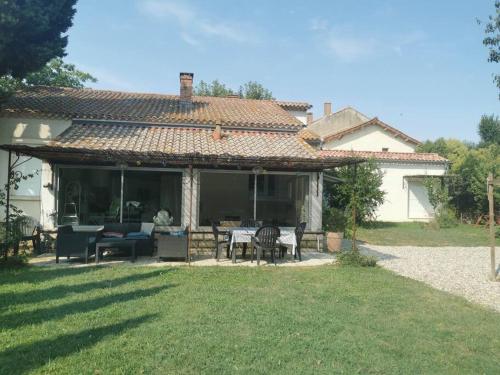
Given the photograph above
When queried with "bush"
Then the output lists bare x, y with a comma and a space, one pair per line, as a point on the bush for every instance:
355, 258
446, 218
333, 220
14, 261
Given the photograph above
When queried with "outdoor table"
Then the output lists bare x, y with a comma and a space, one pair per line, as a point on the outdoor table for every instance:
244, 235
115, 243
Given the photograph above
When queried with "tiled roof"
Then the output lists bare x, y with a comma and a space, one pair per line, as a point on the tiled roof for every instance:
381, 155
70, 103
308, 135
297, 106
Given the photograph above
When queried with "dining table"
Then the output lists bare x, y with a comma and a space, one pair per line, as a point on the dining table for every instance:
244, 236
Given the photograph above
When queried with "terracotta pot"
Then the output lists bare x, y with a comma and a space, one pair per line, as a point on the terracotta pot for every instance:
334, 241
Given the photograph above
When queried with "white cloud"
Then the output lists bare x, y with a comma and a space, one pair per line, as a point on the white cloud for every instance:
348, 46
193, 25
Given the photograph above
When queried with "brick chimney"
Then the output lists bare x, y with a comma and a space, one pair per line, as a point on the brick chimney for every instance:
217, 134
309, 118
186, 93
327, 108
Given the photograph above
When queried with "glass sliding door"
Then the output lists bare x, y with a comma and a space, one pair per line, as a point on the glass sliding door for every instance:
226, 197
282, 200
145, 193
89, 196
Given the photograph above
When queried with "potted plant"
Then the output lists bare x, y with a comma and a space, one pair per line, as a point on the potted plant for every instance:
334, 223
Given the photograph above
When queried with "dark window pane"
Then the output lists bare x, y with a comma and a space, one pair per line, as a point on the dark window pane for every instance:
88, 197
225, 196
145, 193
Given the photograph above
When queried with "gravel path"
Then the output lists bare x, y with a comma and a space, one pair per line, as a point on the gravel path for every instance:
462, 271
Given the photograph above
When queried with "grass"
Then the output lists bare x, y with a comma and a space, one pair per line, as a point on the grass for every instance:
133, 320
421, 234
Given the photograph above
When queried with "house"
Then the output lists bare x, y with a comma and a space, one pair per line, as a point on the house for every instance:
107, 156
348, 130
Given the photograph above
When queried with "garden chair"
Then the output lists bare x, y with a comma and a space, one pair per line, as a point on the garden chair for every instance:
78, 244
265, 238
299, 233
27, 229
219, 244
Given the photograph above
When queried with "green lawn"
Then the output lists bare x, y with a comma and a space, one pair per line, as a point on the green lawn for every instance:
420, 234
132, 320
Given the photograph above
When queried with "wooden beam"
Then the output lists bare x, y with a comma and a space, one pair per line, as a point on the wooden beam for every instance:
491, 187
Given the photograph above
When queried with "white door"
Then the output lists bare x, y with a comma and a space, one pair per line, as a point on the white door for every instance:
418, 201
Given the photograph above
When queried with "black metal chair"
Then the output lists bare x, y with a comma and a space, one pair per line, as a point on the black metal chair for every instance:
218, 243
265, 239
78, 244
27, 229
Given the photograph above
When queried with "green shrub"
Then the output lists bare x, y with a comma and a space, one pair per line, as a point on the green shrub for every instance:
333, 220
446, 218
355, 258
14, 261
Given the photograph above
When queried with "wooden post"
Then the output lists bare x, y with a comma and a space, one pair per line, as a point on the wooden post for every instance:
7, 205
491, 187
190, 211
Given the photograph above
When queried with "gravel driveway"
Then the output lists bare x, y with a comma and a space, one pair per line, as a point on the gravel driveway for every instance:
462, 271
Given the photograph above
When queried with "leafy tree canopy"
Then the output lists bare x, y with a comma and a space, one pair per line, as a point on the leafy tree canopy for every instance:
250, 90
489, 130
492, 39
32, 33
54, 73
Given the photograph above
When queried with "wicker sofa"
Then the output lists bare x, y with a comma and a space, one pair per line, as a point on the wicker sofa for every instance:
142, 233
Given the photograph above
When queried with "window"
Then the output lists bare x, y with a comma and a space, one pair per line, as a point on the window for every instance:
93, 196
385, 149
31, 186
147, 192
225, 196
89, 196
282, 199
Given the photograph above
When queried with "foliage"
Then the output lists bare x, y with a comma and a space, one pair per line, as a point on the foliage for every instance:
492, 39
361, 188
437, 192
489, 130
334, 219
355, 258
254, 90
250, 90
32, 33
55, 73
469, 168
446, 218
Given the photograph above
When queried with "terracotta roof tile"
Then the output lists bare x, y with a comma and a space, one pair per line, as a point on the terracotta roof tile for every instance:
380, 155
297, 106
69, 103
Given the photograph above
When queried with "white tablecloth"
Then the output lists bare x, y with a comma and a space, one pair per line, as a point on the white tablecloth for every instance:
244, 235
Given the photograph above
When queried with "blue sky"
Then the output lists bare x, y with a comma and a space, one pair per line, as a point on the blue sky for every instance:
417, 65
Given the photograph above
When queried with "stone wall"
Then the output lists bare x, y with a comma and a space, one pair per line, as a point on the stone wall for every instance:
202, 243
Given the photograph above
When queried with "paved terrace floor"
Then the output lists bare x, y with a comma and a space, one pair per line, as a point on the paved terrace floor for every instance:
308, 259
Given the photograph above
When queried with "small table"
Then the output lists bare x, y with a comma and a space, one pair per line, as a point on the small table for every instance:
244, 235
115, 243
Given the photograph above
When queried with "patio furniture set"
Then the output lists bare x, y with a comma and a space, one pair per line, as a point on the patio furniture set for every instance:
133, 239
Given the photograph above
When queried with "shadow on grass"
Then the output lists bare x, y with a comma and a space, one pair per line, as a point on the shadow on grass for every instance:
15, 320
31, 274
60, 291
379, 225
27, 357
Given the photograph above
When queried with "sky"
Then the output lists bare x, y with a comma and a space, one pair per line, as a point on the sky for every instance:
419, 66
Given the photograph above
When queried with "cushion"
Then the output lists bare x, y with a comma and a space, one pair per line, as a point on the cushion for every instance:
147, 228
112, 235
137, 234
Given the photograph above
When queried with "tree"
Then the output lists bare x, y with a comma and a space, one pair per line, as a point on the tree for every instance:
489, 130
32, 33
492, 39
55, 73
254, 90
250, 90
360, 189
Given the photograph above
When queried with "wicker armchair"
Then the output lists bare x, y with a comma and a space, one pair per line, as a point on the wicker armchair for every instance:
265, 239
219, 244
77, 244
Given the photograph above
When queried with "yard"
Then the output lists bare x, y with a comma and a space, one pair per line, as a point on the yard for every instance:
421, 234
127, 319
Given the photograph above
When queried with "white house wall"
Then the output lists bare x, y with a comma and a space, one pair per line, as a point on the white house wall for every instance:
395, 185
299, 115
31, 197
370, 138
